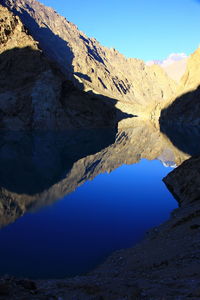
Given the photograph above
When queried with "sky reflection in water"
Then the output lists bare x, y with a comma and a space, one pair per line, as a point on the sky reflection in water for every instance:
76, 233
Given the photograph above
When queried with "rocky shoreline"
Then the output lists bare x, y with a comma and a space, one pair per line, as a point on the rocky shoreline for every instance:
165, 265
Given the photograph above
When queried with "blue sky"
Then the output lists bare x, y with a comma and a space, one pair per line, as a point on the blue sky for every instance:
146, 29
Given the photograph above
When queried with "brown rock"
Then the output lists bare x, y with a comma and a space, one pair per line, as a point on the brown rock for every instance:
92, 66
34, 94
184, 182
184, 108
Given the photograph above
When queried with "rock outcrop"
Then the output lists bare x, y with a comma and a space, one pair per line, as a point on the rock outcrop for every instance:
184, 182
34, 94
191, 78
91, 66
185, 108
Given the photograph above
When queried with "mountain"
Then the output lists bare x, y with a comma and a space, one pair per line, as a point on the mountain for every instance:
91, 66
174, 65
176, 69
172, 58
191, 78
34, 93
185, 107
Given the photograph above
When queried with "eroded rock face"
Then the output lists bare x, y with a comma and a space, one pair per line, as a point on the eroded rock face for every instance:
184, 182
91, 66
190, 81
13, 33
34, 94
185, 107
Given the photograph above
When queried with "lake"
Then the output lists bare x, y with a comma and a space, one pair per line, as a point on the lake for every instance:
69, 199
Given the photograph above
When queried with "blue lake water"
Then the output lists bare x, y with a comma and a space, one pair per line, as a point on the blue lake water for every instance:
73, 233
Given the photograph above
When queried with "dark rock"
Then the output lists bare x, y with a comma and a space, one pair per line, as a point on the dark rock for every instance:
89, 65
4, 289
27, 284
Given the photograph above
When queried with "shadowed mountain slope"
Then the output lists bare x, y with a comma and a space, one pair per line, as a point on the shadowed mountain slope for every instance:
185, 109
91, 66
34, 94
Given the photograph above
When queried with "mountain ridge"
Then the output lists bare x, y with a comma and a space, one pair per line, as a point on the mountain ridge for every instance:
34, 93
133, 87
91, 66
185, 107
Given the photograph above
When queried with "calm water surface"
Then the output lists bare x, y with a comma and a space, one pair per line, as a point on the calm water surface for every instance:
69, 200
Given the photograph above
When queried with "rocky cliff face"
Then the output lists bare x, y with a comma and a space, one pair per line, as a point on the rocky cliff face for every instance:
91, 66
184, 182
185, 108
34, 94
191, 78
13, 33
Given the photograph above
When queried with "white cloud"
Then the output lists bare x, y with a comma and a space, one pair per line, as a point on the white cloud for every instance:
173, 57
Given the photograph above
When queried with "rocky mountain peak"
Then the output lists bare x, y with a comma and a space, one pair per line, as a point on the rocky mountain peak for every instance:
34, 93
90, 65
13, 33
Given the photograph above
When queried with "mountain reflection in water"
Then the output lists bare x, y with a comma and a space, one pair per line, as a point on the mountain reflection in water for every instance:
39, 168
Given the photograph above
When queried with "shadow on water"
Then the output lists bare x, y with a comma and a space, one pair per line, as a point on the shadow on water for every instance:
78, 232
185, 138
39, 168
33, 162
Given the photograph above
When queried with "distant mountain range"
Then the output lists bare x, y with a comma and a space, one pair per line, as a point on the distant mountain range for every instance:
172, 58
174, 65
